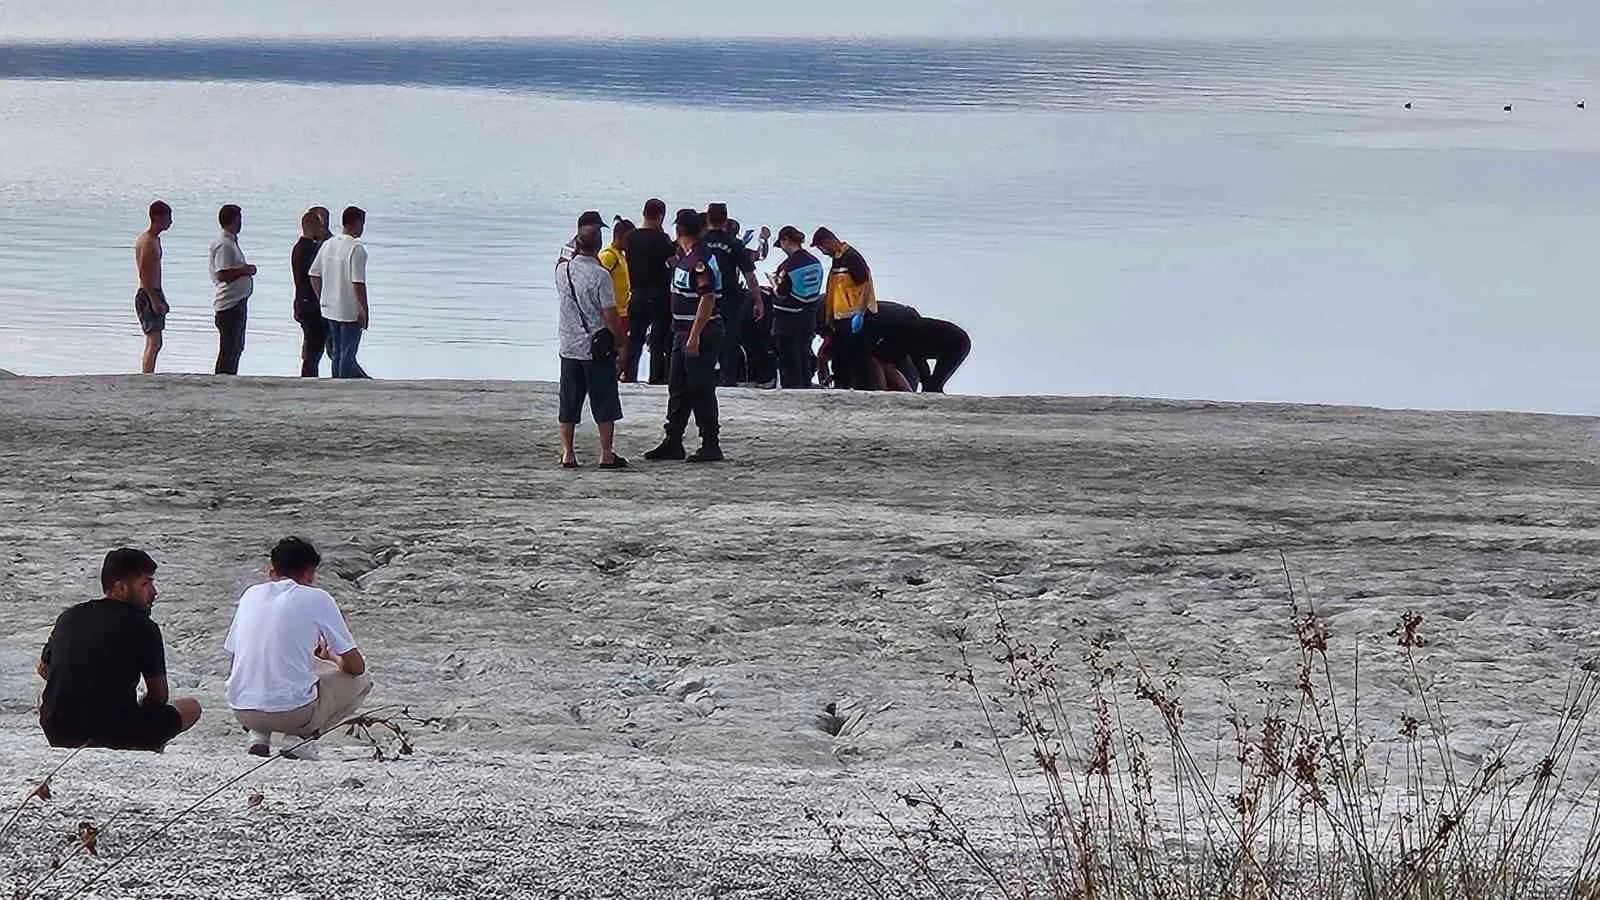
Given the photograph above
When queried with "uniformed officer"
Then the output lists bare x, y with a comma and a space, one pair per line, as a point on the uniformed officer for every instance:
737, 304
698, 283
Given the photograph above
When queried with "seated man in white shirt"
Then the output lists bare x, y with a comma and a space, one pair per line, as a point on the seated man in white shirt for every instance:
296, 668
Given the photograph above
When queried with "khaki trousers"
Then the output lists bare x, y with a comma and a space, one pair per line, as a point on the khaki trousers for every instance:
339, 696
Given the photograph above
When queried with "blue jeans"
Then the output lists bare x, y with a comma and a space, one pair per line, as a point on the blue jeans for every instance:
344, 339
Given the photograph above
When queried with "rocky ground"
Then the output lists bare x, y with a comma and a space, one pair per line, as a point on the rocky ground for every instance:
630, 671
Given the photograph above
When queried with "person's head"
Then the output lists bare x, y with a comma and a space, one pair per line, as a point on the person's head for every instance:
689, 224
160, 216
587, 243
296, 559
717, 216
231, 218
129, 576
620, 232
791, 239
825, 241
354, 221
313, 226
591, 219
326, 218
655, 212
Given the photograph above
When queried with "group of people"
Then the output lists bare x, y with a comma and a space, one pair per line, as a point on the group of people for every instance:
330, 289
695, 305
295, 670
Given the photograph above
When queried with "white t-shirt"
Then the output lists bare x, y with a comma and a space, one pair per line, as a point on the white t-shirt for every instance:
274, 635
341, 264
225, 254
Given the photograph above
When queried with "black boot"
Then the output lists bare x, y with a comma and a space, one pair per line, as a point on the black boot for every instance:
670, 448
709, 452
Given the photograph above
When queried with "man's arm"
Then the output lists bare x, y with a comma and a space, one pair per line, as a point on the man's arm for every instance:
358, 277
43, 665
754, 281
229, 276
155, 691
702, 315
363, 317
316, 286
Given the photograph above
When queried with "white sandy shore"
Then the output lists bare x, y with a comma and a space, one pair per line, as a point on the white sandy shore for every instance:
630, 665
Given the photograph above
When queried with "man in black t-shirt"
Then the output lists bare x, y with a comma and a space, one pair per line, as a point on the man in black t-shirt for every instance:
737, 304
650, 252
96, 656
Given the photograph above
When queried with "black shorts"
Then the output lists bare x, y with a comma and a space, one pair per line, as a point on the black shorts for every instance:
146, 728
150, 321
582, 378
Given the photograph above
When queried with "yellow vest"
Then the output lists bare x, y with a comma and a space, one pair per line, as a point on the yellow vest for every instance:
616, 262
845, 298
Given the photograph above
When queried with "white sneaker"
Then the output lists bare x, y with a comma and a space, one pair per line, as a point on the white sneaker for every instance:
259, 743
306, 752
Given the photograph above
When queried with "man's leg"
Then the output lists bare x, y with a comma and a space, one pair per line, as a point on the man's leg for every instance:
152, 349
352, 343
661, 338
336, 361
950, 357
728, 357
571, 391
230, 334
313, 344
678, 402
702, 391
605, 404
339, 696
640, 315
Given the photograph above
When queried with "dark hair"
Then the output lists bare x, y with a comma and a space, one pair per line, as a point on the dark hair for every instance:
124, 562
690, 222
588, 240
655, 209
623, 226
733, 227
823, 234
792, 234
228, 215
159, 209
353, 215
294, 556
717, 214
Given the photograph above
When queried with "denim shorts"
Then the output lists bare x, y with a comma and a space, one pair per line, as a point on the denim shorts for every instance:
582, 378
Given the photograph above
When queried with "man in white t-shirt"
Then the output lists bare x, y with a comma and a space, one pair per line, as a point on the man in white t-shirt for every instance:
296, 668
235, 280
339, 278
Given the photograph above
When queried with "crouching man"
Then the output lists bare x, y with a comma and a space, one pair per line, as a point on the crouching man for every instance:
95, 658
296, 669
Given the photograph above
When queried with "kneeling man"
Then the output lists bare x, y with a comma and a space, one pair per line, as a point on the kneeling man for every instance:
95, 658
296, 669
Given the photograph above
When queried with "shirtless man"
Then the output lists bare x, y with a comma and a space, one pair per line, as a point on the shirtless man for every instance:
150, 303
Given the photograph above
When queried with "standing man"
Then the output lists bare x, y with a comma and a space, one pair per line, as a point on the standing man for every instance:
650, 251
307, 309
797, 289
850, 301
590, 219
96, 656
733, 260
235, 281
697, 284
150, 302
339, 278
296, 669
588, 305
614, 259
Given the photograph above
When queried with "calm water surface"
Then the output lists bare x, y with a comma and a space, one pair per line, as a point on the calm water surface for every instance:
1255, 220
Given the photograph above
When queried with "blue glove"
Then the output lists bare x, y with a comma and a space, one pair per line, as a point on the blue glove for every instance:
857, 322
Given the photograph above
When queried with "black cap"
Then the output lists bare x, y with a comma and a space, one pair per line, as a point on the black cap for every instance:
591, 218
690, 220
717, 212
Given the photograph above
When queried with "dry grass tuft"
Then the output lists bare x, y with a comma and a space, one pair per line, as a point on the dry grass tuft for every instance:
1306, 798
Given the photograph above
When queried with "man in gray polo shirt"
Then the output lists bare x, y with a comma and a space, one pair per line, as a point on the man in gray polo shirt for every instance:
235, 280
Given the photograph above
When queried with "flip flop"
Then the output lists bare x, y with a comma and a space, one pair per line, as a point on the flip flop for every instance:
616, 462
570, 465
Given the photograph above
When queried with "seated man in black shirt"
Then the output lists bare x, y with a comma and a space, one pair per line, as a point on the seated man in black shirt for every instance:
96, 655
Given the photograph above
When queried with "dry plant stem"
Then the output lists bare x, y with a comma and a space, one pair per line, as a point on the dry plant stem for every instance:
167, 825
58, 869
21, 807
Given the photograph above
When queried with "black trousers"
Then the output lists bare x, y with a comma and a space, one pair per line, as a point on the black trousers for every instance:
850, 353
692, 387
793, 335
949, 352
649, 327
760, 349
735, 309
230, 338
313, 337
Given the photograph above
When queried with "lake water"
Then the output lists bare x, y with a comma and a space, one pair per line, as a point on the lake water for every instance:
1260, 220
